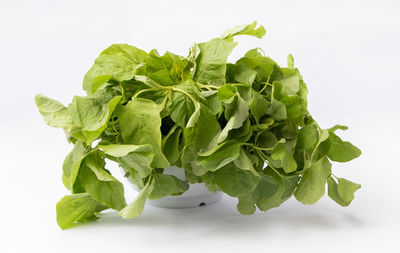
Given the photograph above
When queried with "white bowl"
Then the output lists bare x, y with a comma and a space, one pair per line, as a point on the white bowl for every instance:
197, 194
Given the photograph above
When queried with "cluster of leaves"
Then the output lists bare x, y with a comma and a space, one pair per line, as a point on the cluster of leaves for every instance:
241, 128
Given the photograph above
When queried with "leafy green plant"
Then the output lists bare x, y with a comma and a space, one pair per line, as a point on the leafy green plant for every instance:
242, 128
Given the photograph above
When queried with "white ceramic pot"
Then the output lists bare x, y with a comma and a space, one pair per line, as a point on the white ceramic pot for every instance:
197, 194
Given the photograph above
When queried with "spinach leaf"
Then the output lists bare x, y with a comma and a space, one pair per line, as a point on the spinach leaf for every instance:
245, 30
54, 113
341, 151
119, 61
92, 113
235, 181
211, 61
99, 183
343, 191
201, 128
140, 123
72, 164
134, 209
167, 185
312, 184
77, 208
137, 157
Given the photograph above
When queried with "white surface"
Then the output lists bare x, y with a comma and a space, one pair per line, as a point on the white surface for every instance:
347, 51
196, 195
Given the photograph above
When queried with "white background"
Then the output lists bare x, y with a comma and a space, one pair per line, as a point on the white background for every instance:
347, 51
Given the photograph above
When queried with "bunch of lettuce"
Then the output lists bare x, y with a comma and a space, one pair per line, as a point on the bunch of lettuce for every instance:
242, 128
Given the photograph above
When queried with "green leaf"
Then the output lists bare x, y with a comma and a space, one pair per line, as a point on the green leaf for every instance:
100, 185
223, 154
290, 61
265, 189
209, 182
235, 181
77, 208
239, 115
266, 139
343, 191
346, 189
342, 151
226, 93
283, 152
244, 74
312, 184
181, 106
211, 61
167, 185
287, 105
72, 164
249, 29
213, 103
246, 204
264, 66
337, 127
258, 106
140, 124
243, 162
53, 112
200, 130
242, 134
168, 69
92, 113
170, 145
158, 68
286, 186
135, 208
119, 62
290, 81
308, 137
137, 157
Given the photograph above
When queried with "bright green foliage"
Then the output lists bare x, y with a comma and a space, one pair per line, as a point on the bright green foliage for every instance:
140, 123
72, 164
100, 185
343, 191
242, 128
91, 114
118, 62
312, 184
77, 208
53, 112
134, 209
136, 157
342, 151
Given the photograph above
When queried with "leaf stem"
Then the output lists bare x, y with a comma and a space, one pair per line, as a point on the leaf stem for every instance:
145, 90
274, 169
187, 94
